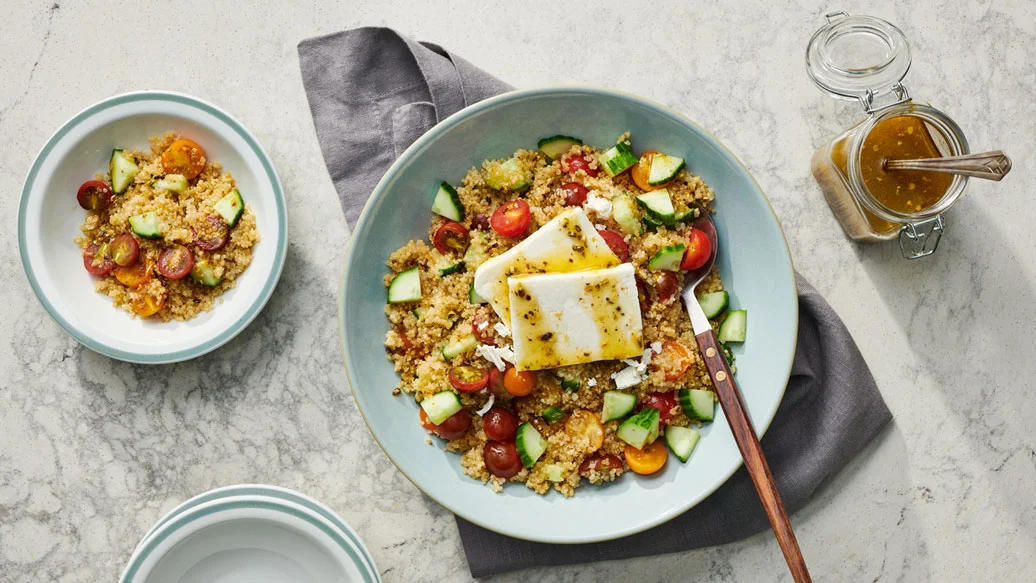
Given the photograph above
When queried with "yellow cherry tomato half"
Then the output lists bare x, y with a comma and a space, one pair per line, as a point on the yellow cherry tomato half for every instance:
148, 305
134, 275
586, 424
641, 171
521, 383
183, 157
648, 460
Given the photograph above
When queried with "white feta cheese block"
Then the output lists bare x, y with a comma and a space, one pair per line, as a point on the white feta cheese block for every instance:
569, 242
558, 319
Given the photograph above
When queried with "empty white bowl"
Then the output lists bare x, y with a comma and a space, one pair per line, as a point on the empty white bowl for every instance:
49, 219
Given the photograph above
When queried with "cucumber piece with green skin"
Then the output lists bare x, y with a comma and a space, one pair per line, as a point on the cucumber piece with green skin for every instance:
447, 203
714, 303
555, 146
122, 170
617, 159
474, 298
697, 404
555, 472
477, 250
668, 258
652, 224
734, 328
553, 415
405, 287
663, 168
441, 406
451, 269
681, 441
570, 385
230, 207
417, 312
171, 182
637, 430
617, 405
686, 216
455, 349
624, 214
146, 225
659, 206
204, 274
511, 175
530, 444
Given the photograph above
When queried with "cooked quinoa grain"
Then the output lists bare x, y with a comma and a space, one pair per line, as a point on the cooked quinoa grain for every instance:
419, 330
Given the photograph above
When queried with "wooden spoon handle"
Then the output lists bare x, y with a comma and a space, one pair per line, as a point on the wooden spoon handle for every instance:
752, 452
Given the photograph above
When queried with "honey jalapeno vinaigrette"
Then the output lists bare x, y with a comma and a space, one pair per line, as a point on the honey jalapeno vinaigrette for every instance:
865, 59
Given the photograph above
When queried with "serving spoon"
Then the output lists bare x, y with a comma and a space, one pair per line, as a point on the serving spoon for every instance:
988, 165
737, 416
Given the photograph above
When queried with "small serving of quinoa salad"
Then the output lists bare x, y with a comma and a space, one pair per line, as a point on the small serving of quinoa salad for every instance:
166, 230
540, 328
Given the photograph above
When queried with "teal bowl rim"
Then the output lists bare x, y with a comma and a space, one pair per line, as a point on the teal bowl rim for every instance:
282, 225
180, 521
444, 126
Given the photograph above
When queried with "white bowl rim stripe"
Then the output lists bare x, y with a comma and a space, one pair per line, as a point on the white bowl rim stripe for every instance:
282, 224
275, 492
141, 555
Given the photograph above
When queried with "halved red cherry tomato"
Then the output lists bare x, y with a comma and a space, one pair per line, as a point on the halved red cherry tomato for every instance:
641, 171
480, 327
94, 195
454, 427
699, 249
648, 460
520, 383
511, 218
575, 193
667, 283
500, 424
212, 235
97, 261
134, 275
183, 157
501, 458
125, 250
674, 360
147, 305
468, 379
175, 262
573, 163
599, 463
496, 381
451, 237
616, 243
664, 402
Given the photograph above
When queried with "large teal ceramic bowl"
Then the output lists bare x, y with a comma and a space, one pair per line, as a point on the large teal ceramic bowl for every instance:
753, 260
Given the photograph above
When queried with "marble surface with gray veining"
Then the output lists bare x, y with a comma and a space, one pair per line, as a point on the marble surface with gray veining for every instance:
93, 451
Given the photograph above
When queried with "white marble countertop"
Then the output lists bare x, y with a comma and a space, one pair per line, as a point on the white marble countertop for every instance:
93, 451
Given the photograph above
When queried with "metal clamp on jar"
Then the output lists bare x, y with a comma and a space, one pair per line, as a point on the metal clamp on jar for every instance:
865, 59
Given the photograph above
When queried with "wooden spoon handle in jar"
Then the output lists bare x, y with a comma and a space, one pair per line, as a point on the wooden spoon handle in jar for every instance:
987, 165
744, 434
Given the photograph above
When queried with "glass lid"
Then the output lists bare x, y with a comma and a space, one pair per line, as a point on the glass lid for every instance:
858, 57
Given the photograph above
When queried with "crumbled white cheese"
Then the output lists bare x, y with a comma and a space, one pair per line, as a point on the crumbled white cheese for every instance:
600, 227
627, 377
645, 360
483, 324
489, 405
657, 347
491, 353
506, 353
591, 382
600, 205
630, 362
501, 329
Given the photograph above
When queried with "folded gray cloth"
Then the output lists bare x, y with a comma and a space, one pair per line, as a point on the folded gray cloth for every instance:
372, 92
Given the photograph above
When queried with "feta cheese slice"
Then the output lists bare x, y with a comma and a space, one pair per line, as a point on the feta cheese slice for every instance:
559, 319
567, 243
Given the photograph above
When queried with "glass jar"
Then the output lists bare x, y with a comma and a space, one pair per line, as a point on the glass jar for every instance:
865, 59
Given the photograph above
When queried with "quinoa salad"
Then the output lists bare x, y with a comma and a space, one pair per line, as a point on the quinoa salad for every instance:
540, 327
166, 231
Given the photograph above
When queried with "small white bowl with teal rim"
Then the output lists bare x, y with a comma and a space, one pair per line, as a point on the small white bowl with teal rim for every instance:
753, 260
248, 538
49, 219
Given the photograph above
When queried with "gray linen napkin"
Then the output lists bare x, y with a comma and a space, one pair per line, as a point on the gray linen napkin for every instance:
372, 92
